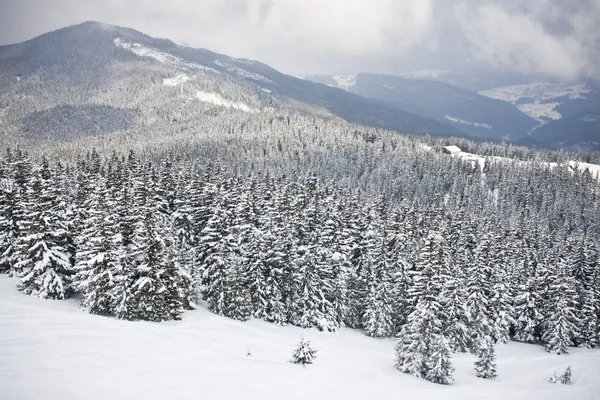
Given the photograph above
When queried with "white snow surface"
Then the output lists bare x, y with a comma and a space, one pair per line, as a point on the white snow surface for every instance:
219, 100
346, 82
176, 80
540, 111
540, 90
162, 57
54, 350
540, 95
593, 169
460, 121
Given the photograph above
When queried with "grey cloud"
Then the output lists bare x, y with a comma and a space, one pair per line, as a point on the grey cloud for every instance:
550, 38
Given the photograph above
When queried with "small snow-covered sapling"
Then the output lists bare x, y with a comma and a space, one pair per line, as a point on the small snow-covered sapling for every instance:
304, 354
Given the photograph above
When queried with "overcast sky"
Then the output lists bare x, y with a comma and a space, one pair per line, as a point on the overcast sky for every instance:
556, 38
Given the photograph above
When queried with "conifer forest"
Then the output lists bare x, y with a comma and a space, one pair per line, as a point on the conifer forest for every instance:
320, 226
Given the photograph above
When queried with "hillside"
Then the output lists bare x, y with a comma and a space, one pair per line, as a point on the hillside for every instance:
567, 115
479, 116
92, 79
58, 352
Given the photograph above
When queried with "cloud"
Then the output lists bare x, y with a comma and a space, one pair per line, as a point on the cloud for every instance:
542, 38
553, 38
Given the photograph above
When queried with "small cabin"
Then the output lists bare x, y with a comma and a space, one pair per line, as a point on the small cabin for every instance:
452, 150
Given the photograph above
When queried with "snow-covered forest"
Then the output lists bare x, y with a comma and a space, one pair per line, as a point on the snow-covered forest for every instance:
397, 241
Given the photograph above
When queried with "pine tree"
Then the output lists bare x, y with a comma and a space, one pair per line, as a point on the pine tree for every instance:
479, 275
45, 266
501, 306
439, 365
356, 243
151, 285
99, 255
304, 354
217, 244
422, 350
485, 366
585, 269
378, 318
528, 313
457, 315
565, 378
236, 296
561, 324
8, 226
311, 288
14, 189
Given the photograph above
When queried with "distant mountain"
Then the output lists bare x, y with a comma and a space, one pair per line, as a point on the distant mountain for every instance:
568, 115
91, 79
479, 116
474, 81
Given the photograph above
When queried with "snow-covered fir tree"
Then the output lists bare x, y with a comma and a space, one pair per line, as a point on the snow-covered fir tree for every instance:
561, 325
304, 353
99, 252
485, 366
44, 264
566, 376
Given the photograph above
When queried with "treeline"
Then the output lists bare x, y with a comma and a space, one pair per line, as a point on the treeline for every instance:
494, 256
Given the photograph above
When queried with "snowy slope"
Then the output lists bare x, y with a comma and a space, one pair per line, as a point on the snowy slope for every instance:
53, 350
539, 90
534, 99
567, 115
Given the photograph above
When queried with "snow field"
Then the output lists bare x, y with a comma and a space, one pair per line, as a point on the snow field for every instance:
54, 350
218, 100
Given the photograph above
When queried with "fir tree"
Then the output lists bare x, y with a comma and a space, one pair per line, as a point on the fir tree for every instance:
439, 365
565, 378
99, 253
304, 354
479, 275
422, 350
14, 212
45, 266
151, 285
311, 291
378, 318
528, 313
485, 366
561, 325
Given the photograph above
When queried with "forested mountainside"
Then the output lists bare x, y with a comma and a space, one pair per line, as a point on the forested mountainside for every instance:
388, 236
94, 79
171, 178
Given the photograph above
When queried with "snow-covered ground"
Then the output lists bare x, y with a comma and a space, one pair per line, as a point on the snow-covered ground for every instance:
218, 100
53, 350
162, 57
539, 90
541, 111
176, 80
460, 121
534, 98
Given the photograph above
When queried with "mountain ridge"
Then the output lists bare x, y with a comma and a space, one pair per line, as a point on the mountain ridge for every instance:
94, 63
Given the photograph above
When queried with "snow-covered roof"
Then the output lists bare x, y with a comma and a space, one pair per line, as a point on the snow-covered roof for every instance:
452, 149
